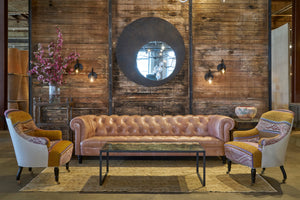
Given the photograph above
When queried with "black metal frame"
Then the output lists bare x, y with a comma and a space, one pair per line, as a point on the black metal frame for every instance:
29, 54
140, 32
270, 52
191, 56
110, 83
102, 178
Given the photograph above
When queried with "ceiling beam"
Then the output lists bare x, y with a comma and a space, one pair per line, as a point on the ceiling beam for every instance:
282, 10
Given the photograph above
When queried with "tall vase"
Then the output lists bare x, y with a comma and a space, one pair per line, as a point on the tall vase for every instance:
54, 94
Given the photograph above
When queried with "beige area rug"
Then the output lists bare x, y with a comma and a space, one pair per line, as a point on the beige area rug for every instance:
149, 176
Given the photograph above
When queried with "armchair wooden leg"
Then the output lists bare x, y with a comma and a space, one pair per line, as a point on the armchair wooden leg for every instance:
80, 159
263, 171
30, 170
56, 173
224, 159
67, 166
19, 174
228, 166
283, 173
253, 174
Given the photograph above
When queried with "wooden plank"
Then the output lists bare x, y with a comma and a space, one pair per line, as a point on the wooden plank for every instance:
235, 32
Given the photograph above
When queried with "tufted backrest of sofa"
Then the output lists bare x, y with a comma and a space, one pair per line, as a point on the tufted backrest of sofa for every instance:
188, 125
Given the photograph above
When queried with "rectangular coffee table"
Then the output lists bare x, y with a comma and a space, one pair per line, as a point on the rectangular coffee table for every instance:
153, 147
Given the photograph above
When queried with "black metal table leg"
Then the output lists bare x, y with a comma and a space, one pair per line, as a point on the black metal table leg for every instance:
197, 162
107, 162
202, 179
101, 180
204, 166
100, 167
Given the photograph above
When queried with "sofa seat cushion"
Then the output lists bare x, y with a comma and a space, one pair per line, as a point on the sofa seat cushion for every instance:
94, 144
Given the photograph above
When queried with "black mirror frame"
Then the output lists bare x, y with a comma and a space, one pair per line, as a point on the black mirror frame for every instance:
140, 32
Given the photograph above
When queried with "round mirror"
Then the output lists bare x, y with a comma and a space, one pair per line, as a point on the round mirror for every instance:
150, 51
156, 60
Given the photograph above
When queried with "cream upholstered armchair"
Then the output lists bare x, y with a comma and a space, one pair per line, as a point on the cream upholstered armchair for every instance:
35, 147
265, 145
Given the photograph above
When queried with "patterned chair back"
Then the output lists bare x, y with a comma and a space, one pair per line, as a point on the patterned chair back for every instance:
276, 127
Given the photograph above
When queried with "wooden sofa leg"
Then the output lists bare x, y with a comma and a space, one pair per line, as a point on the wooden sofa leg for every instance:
283, 173
228, 166
67, 166
80, 159
19, 174
224, 159
253, 174
56, 174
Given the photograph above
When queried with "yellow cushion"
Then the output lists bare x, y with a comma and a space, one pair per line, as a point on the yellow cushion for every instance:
50, 134
252, 133
278, 116
246, 149
57, 151
18, 116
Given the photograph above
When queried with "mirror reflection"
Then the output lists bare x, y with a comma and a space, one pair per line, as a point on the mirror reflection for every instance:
156, 60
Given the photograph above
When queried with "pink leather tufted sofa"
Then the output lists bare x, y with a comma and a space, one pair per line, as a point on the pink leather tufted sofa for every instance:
92, 132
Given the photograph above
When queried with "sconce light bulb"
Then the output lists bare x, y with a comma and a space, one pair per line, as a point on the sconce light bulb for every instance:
223, 1
223, 71
78, 67
210, 81
91, 79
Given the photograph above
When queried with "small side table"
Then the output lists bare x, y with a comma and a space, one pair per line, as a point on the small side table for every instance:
245, 124
54, 116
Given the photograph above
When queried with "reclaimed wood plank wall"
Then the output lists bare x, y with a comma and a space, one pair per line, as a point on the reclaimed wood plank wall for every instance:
235, 31
129, 97
84, 27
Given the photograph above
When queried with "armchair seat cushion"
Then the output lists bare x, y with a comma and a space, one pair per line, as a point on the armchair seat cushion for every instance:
60, 153
246, 153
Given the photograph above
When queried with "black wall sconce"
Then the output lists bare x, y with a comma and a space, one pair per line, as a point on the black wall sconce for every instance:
92, 75
78, 67
209, 75
221, 67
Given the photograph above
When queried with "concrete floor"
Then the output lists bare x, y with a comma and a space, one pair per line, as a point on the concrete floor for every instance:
9, 187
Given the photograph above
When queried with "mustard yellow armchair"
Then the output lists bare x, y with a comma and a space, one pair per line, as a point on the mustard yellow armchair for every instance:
265, 145
35, 147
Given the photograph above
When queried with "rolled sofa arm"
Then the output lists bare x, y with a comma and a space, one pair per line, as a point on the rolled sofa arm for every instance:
219, 126
84, 128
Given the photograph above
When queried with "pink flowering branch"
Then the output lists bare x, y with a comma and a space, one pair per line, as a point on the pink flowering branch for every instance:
51, 66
